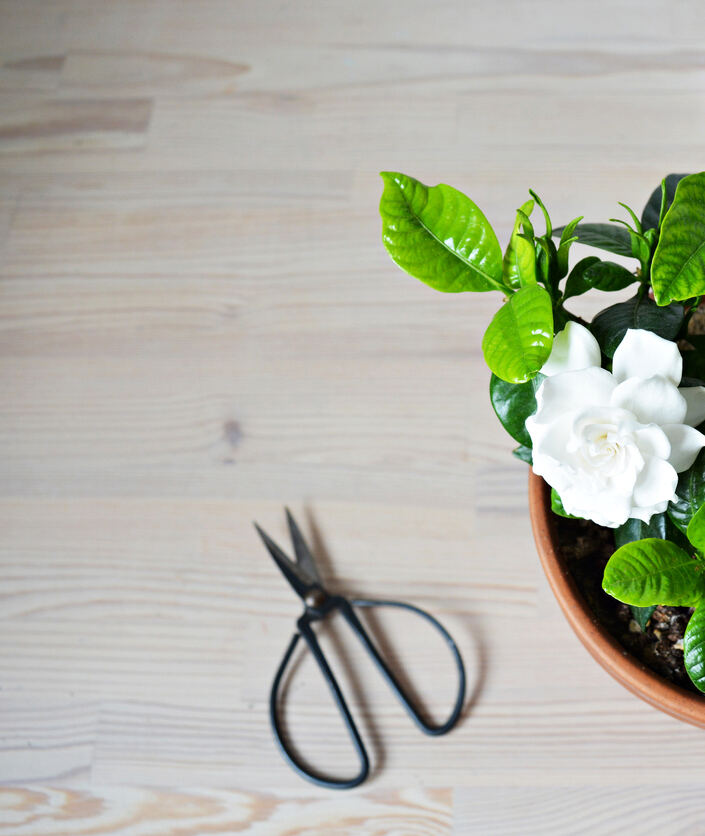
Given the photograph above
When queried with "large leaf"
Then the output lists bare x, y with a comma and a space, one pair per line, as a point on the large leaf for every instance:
611, 324
519, 338
678, 269
519, 263
611, 237
652, 210
694, 648
513, 403
438, 235
690, 492
696, 529
653, 571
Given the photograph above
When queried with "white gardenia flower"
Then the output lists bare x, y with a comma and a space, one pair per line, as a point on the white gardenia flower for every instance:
612, 444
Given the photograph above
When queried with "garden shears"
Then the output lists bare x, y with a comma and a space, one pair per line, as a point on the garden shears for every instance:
318, 605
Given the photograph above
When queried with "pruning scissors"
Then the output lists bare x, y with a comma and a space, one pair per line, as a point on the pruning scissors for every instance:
318, 604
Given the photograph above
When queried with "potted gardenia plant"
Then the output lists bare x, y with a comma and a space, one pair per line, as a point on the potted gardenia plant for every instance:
609, 413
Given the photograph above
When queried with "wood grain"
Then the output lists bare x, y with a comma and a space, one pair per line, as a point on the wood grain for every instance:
198, 324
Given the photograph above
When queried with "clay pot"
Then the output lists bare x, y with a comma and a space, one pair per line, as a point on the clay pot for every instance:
606, 650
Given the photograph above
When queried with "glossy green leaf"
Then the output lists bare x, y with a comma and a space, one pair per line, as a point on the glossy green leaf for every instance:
694, 648
653, 571
439, 236
525, 454
611, 324
606, 275
678, 268
575, 284
519, 338
652, 210
611, 237
557, 506
696, 529
690, 492
546, 216
597, 275
547, 259
513, 403
634, 529
567, 238
632, 215
519, 263
642, 615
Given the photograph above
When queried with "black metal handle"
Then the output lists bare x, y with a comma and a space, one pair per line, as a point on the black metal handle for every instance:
394, 683
291, 756
346, 608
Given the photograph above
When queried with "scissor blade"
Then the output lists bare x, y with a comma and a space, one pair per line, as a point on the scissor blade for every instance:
304, 558
289, 569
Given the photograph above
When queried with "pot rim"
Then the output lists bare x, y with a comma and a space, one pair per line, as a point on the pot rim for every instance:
603, 647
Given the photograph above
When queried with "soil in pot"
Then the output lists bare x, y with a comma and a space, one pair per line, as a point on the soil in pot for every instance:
585, 549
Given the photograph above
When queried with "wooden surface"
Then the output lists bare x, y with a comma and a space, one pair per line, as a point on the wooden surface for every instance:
198, 324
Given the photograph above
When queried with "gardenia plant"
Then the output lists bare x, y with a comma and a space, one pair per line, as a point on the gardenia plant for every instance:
610, 413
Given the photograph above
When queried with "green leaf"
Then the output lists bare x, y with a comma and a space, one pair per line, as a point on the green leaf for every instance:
606, 275
523, 453
634, 529
575, 284
652, 210
519, 263
694, 648
690, 492
642, 615
567, 238
696, 529
519, 338
611, 324
598, 275
557, 506
546, 217
439, 235
615, 239
632, 214
513, 403
678, 269
653, 571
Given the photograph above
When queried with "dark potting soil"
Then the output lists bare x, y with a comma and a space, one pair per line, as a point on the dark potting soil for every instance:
586, 548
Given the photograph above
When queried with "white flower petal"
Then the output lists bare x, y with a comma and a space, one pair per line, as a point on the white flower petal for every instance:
608, 508
656, 483
573, 391
654, 441
653, 401
645, 354
648, 511
686, 443
695, 399
574, 348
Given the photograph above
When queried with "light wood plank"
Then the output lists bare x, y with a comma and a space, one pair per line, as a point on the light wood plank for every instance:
198, 323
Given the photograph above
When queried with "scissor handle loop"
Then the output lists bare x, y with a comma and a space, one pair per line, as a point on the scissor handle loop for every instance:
345, 607
288, 752
395, 685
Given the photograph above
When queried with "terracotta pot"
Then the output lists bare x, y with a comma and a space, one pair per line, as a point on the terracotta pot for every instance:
605, 649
